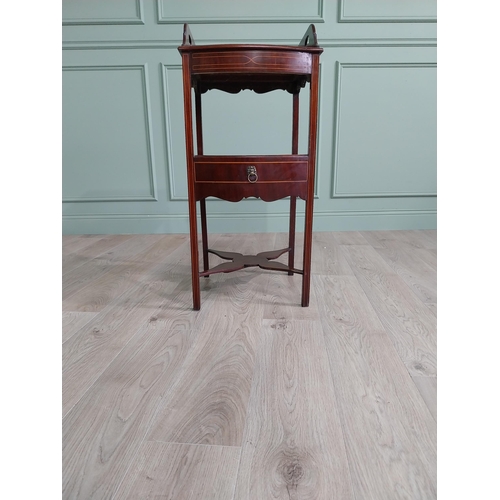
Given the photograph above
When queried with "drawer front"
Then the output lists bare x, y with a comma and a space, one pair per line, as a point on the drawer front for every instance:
250, 169
238, 177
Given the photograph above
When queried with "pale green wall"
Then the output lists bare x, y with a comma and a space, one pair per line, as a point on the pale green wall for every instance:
124, 167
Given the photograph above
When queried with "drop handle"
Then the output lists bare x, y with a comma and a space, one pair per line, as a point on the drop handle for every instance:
252, 174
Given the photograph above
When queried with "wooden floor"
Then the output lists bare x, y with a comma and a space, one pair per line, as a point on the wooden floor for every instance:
253, 397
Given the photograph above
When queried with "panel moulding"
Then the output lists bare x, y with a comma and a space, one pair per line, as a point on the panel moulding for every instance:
343, 18
139, 19
318, 17
337, 117
149, 136
168, 131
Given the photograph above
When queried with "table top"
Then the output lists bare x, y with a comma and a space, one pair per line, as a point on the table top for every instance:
225, 47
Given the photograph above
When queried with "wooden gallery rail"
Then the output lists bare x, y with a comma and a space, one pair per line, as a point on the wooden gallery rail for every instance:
261, 68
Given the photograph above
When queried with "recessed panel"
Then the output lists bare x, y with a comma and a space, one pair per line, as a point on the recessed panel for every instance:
192, 11
107, 150
101, 12
175, 137
388, 10
386, 131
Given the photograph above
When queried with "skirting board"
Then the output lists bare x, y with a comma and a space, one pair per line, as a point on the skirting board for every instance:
250, 223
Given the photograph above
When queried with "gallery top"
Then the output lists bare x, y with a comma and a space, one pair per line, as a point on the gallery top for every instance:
262, 68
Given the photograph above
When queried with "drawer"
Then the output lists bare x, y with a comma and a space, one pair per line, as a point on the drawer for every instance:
251, 169
233, 178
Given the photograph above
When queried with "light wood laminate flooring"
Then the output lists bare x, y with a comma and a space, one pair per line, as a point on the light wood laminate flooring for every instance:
253, 397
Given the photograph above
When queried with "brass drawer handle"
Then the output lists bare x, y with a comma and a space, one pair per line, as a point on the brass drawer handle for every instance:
252, 174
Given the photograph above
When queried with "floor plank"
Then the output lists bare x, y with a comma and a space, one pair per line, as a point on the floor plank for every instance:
414, 271
432, 308
99, 293
124, 253
377, 239
208, 403
175, 310
411, 326
74, 243
428, 389
389, 433
97, 247
89, 352
293, 445
327, 257
432, 235
413, 239
284, 301
418, 239
74, 321
102, 432
181, 472
429, 256
348, 238
68, 239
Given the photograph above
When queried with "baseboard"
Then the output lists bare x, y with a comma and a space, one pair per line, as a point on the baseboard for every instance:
354, 220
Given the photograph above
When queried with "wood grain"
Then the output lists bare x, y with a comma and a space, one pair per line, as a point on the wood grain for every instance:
176, 308
181, 472
417, 239
411, 326
327, 257
389, 433
69, 239
74, 321
283, 301
99, 293
376, 239
432, 308
73, 243
97, 246
414, 271
429, 256
127, 251
348, 238
102, 432
432, 235
293, 446
428, 390
413, 239
88, 353
208, 403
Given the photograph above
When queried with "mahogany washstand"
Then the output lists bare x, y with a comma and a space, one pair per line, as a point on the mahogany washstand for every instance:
261, 68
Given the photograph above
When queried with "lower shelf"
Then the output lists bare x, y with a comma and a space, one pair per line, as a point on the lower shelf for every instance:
240, 261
